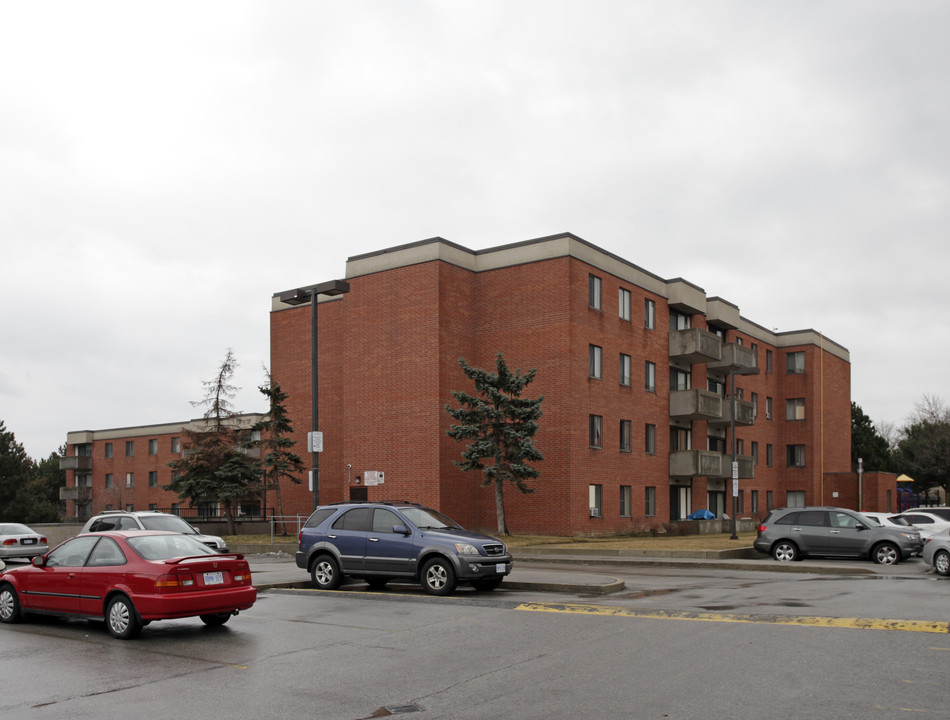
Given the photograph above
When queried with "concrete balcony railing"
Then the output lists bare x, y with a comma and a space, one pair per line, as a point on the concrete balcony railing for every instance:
733, 357
696, 404
80, 494
76, 462
708, 463
745, 413
695, 345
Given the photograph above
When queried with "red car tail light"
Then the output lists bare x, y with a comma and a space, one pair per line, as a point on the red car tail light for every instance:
42, 541
761, 528
175, 581
11, 541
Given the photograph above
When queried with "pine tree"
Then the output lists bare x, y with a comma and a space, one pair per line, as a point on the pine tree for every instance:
279, 459
498, 424
215, 464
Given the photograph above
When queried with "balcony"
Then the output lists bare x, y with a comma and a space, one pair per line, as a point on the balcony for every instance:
745, 413
76, 462
733, 357
708, 463
695, 345
80, 494
695, 404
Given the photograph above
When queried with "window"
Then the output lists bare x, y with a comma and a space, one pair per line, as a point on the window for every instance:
153, 478
108, 450
650, 376
795, 363
153, 447
768, 455
740, 447
626, 501
678, 320
596, 495
153, 506
626, 430
755, 406
755, 354
84, 480
596, 431
176, 445
755, 502
768, 408
679, 379
717, 444
755, 453
716, 386
626, 369
679, 439
595, 361
795, 455
649, 314
768, 361
130, 448
740, 502
109, 480
624, 304
796, 498
593, 291
649, 501
130, 480
768, 500
795, 409
130, 507
650, 441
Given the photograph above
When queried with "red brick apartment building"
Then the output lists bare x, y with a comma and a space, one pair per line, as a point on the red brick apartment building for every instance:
636, 373
126, 469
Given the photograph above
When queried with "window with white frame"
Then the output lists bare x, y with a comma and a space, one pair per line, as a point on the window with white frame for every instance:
679, 379
596, 432
795, 363
795, 409
624, 301
649, 445
795, 455
768, 408
593, 291
153, 446
626, 369
626, 501
596, 500
678, 320
650, 376
649, 314
626, 430
649, 501
595, 361
130, 480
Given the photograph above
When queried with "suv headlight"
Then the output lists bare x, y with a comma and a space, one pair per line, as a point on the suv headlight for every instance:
466, 549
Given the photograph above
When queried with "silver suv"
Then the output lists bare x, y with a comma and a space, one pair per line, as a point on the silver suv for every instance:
794, 533
149, 520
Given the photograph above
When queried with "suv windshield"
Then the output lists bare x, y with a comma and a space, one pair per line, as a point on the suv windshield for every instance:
426, 519
167, 522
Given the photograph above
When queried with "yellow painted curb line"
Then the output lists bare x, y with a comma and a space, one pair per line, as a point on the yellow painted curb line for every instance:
803, 620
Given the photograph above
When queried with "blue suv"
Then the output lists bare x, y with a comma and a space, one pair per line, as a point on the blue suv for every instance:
382, 541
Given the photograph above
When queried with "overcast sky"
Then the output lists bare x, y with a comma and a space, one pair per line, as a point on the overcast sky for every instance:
166, 167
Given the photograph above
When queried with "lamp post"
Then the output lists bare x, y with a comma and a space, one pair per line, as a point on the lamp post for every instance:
732, 433
299, 296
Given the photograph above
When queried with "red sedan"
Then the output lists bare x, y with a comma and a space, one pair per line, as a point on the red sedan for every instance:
129, 578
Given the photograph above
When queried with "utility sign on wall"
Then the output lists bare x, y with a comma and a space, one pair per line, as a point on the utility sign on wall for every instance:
314, 442
374, 477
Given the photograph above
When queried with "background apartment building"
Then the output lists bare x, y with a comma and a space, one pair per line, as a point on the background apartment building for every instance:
636, 373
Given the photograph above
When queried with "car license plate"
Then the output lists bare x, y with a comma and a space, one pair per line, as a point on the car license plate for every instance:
214, 578
500, 568
28, 541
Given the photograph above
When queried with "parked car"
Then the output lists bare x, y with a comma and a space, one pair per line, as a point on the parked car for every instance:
793, 533
128, 579
941, 512
18, 541
928, 523
937, 552
383, 541
889, 519
149, 520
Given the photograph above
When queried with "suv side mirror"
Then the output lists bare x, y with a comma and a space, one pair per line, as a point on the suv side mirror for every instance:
401, 530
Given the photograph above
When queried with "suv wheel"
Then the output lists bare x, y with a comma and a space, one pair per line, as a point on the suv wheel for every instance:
438, 577
887, 554
325, 573
941, 563
785, 551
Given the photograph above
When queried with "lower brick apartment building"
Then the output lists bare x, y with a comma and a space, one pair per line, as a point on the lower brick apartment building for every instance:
636, 373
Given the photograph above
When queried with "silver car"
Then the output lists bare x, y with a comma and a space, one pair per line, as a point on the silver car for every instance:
937, 552
18, 541
794, 533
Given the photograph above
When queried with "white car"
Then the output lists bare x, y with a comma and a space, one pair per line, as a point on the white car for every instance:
928, 523
149, 520
889, 519
937, 552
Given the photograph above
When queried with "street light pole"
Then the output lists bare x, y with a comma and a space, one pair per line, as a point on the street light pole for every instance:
300, 296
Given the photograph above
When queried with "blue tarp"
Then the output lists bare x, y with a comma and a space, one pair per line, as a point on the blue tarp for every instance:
701, 515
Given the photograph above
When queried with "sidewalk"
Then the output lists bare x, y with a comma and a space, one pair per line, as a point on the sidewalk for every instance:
543, 569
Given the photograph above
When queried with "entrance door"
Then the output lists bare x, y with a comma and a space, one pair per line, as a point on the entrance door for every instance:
680, 504
716, 500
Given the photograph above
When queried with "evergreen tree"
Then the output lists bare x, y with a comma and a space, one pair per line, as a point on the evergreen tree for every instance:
16, 469
923, 451
215, 465
868, 444
280, 462
500, 425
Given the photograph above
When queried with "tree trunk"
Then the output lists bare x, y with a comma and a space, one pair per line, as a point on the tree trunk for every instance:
280, 506
229, 514
500, 507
